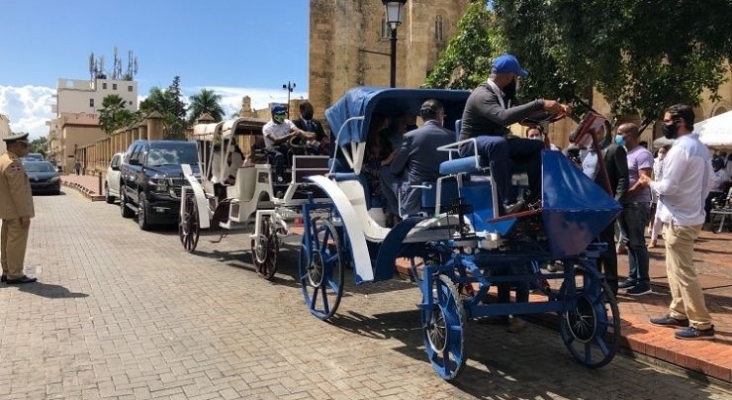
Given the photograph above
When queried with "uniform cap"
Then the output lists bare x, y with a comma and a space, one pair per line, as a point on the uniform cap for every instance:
506, 64
279, 109
16, 138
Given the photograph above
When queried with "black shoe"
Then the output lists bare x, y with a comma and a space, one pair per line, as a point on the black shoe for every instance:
3, 278
669, 321
515, 208
21, 280
639, 290
626, 284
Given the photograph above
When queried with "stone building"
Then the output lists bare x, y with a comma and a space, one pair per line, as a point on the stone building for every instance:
350, 46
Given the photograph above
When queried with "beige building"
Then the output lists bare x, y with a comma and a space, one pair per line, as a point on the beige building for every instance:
71, 132
350, 45
4, 131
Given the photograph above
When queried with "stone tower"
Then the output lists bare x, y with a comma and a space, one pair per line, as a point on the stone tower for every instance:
350, 46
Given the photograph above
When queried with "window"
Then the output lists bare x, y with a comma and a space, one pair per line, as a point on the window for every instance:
439, 32
129, 88
385, 29
104, 85
114, 86
91, 102
130, 102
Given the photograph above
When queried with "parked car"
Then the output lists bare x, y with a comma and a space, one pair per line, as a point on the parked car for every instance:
114, 173
43, 177
151, 180
32, 157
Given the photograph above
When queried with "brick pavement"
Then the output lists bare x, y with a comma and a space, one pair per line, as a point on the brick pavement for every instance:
124, 314
712, 257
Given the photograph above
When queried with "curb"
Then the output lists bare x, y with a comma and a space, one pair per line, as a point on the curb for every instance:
86, 192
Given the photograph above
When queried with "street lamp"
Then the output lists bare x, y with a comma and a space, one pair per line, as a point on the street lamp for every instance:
290, 86
394, 12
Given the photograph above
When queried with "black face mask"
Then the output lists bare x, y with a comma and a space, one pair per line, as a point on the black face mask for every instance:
308, 115
510, 89
670, 131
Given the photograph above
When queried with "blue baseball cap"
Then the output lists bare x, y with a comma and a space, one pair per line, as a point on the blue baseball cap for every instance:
506, 64
279, 109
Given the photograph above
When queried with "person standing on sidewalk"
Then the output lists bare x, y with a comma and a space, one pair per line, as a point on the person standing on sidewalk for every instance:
636, 211
687, 179
657, 176
16, 210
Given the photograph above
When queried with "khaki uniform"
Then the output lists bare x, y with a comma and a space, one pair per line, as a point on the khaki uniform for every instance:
16, 201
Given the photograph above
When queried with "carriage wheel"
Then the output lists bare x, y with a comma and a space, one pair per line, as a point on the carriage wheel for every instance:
264, 250
189, 228
444, 329
590, 326
321, 269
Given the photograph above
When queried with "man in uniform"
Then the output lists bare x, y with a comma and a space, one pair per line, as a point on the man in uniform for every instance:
16, 210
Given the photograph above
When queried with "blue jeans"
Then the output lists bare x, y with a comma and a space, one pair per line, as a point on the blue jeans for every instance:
633, 221
503, 156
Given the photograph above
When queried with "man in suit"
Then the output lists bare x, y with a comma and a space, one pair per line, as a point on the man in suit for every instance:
616, 166
418, 157
16, 210
306, 123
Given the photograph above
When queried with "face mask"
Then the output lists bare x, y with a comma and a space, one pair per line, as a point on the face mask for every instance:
308, 116
670, 131
619, 140
510, 89
661, 156
536, 138
278, 118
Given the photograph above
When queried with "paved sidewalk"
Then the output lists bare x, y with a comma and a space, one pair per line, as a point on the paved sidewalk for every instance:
713, 259
120, 313
87, 185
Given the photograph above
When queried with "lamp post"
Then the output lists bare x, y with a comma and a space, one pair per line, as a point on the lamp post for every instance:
394, 12
290, 86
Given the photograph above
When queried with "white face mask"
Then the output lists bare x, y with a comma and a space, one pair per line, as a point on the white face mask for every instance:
537, 138
518, 83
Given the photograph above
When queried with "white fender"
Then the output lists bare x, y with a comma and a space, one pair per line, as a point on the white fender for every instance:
200, 197
361, 257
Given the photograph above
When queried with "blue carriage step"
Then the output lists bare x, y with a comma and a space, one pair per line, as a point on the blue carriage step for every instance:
464, 165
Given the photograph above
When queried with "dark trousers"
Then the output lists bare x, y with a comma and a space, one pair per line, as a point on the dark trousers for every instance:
608, 261
504, 288
504, 156
633, 221
279, 162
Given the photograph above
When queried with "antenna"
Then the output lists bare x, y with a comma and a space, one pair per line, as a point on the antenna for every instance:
92, 66
114, 65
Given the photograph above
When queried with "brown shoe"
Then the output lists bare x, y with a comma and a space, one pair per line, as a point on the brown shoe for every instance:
653, 244
622, 250
21, 280
516, 325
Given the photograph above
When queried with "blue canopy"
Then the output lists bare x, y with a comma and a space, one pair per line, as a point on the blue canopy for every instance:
367, 101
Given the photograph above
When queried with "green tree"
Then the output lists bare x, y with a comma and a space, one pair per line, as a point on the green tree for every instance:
205, 101
113, 115
39, 145
466, 60
169, 104
640, 55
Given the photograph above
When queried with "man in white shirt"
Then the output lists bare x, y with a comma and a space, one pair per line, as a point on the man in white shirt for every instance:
277, 134
687, 178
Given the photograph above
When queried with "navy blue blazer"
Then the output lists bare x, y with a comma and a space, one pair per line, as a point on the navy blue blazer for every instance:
418, 160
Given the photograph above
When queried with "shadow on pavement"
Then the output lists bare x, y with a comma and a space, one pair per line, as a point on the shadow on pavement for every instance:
50, 291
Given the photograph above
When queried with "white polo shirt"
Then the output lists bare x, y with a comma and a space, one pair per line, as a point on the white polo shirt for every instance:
686, 182
272, 130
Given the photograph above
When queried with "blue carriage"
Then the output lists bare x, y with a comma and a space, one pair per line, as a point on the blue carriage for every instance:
458, 241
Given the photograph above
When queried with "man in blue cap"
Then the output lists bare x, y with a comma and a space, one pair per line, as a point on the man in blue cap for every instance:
16, 210
490, 109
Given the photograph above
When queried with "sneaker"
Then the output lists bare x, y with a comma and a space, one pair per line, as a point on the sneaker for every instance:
639, 290
692, 333
669, 321
628, 283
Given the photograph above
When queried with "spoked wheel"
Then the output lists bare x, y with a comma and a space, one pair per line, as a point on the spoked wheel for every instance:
443, 324
321, 269
590, 326
189, 228
264, 250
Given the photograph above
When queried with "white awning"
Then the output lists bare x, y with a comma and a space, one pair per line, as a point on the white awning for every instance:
716, 132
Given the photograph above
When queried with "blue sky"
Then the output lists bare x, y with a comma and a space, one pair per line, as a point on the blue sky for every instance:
234, 46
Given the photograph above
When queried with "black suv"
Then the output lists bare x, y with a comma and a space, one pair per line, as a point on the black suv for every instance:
151, 180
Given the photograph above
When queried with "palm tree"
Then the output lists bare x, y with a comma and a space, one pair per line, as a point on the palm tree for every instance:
205, 101
113, 114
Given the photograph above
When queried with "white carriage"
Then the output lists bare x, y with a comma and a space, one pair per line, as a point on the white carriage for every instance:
234, 190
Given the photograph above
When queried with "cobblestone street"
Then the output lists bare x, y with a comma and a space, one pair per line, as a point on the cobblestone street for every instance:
120, 313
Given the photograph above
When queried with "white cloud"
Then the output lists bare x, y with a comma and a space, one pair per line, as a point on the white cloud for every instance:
28, 108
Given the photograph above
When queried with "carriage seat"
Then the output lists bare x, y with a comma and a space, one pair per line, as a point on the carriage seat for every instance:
302, 167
